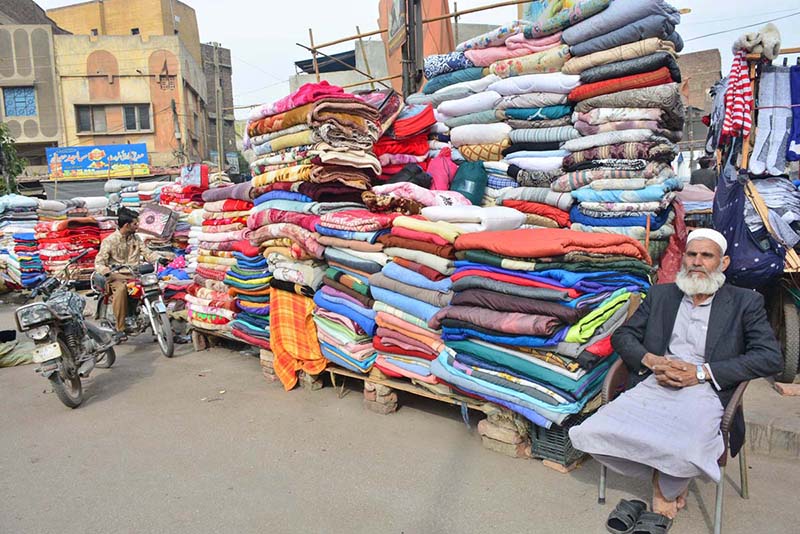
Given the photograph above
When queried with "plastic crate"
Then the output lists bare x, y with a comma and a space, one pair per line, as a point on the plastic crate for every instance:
554, 443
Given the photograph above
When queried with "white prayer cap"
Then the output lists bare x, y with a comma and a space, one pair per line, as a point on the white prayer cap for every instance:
707, 233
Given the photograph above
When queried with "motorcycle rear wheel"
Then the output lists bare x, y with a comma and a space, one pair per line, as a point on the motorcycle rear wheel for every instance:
164, 335
107, 359
67, 386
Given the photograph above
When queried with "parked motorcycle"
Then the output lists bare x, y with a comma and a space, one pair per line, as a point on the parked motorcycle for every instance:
146, 308
67, 347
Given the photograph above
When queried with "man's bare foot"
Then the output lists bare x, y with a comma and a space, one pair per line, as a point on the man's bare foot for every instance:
660, 504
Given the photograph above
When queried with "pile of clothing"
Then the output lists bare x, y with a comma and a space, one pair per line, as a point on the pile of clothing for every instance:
19, 249
403, 147
629, 114
114, 189
531, 316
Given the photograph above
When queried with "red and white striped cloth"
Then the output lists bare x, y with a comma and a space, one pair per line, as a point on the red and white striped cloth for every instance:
738, 100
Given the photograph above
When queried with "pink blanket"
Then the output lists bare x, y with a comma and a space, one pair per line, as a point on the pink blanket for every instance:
515, 46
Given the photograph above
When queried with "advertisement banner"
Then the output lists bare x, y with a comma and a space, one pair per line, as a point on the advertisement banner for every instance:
106, 161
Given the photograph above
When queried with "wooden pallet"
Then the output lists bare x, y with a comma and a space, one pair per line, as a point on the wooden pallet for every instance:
502, 431
205, 339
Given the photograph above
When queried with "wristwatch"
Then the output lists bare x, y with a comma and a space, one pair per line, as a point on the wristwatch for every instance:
701, 374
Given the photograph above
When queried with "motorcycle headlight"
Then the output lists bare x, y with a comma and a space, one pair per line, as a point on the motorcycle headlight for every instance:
32, 315
38, 333
150, 279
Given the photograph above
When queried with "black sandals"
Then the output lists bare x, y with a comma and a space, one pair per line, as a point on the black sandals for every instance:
652, 523
625, 516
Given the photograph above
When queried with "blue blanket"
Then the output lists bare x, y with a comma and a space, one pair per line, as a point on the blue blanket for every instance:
407, 276
282, 195
363, 317
417, 308
369, 237
651, 193
656, 221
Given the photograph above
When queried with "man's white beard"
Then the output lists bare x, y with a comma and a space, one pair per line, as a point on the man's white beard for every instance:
699, 285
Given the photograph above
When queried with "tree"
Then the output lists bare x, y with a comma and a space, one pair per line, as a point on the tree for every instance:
11, 165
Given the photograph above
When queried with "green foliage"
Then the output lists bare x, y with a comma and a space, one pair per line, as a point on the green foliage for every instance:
11, 165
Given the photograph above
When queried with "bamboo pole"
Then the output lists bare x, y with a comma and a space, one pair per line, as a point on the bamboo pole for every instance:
375, 80
425, 21
337, 60
313, 53
364, 57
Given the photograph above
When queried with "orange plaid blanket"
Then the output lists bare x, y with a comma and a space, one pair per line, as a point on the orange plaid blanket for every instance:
293, 336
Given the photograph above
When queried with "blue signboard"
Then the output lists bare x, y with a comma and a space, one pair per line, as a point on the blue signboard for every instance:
106, 161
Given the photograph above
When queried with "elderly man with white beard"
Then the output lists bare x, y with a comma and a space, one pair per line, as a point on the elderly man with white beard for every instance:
687, 347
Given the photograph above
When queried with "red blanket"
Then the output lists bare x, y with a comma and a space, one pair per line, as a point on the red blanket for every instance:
550, 242
615, 85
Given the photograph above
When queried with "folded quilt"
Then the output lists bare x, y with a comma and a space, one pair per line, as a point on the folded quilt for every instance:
432, 297
619, 14
562, 201
437, 64
281, 121
633, 66
548, 61
449, 232
531, 100
483, 101
555, 82
410, 305
665, 97
578, 65
660, 76
479, 134
309, 92
560, 217
543, 135
534, 114
442, 265
290, 140
240, 191
662, 152
451, 78
491, 152
656, 221
493, 300
592, 129
553, 21
657, 26
422, 195
481, 117
651, 193
611, 138
476, 218
357, 220
496, 37
515, 46
639, 233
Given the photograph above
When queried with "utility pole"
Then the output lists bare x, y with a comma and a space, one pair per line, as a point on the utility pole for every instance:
412, 49
218, 111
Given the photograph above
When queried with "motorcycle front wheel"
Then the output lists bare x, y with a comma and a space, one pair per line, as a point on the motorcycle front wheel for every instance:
164, 334
66, 384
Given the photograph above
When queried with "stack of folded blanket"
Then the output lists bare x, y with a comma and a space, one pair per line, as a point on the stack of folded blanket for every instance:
629, 113
224, 224
150, 192
61, 240
18, 249
529, 323
248, 281
181, 198
114, 188
344, 316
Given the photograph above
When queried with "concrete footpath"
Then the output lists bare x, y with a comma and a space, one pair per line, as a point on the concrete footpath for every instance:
201, 443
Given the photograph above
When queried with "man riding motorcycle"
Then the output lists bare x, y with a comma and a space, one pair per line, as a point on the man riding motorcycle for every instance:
123, 247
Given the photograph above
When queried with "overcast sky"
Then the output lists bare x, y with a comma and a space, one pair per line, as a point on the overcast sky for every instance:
262, 38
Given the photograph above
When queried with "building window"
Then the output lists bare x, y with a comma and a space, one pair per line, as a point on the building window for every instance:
19, 101
94, 32
134, 31
167, 83
137, 117
90, 119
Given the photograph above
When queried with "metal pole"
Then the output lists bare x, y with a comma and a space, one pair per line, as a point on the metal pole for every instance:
364, 57
313, 53
218, 111
691, 140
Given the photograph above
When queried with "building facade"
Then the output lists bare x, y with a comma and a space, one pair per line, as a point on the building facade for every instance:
29, 101
132, 89
225, 73
147, 18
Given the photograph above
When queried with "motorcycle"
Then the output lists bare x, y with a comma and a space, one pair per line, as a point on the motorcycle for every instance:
146, 308
67, 347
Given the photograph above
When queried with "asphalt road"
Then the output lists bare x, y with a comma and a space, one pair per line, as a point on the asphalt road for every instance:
201, 443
